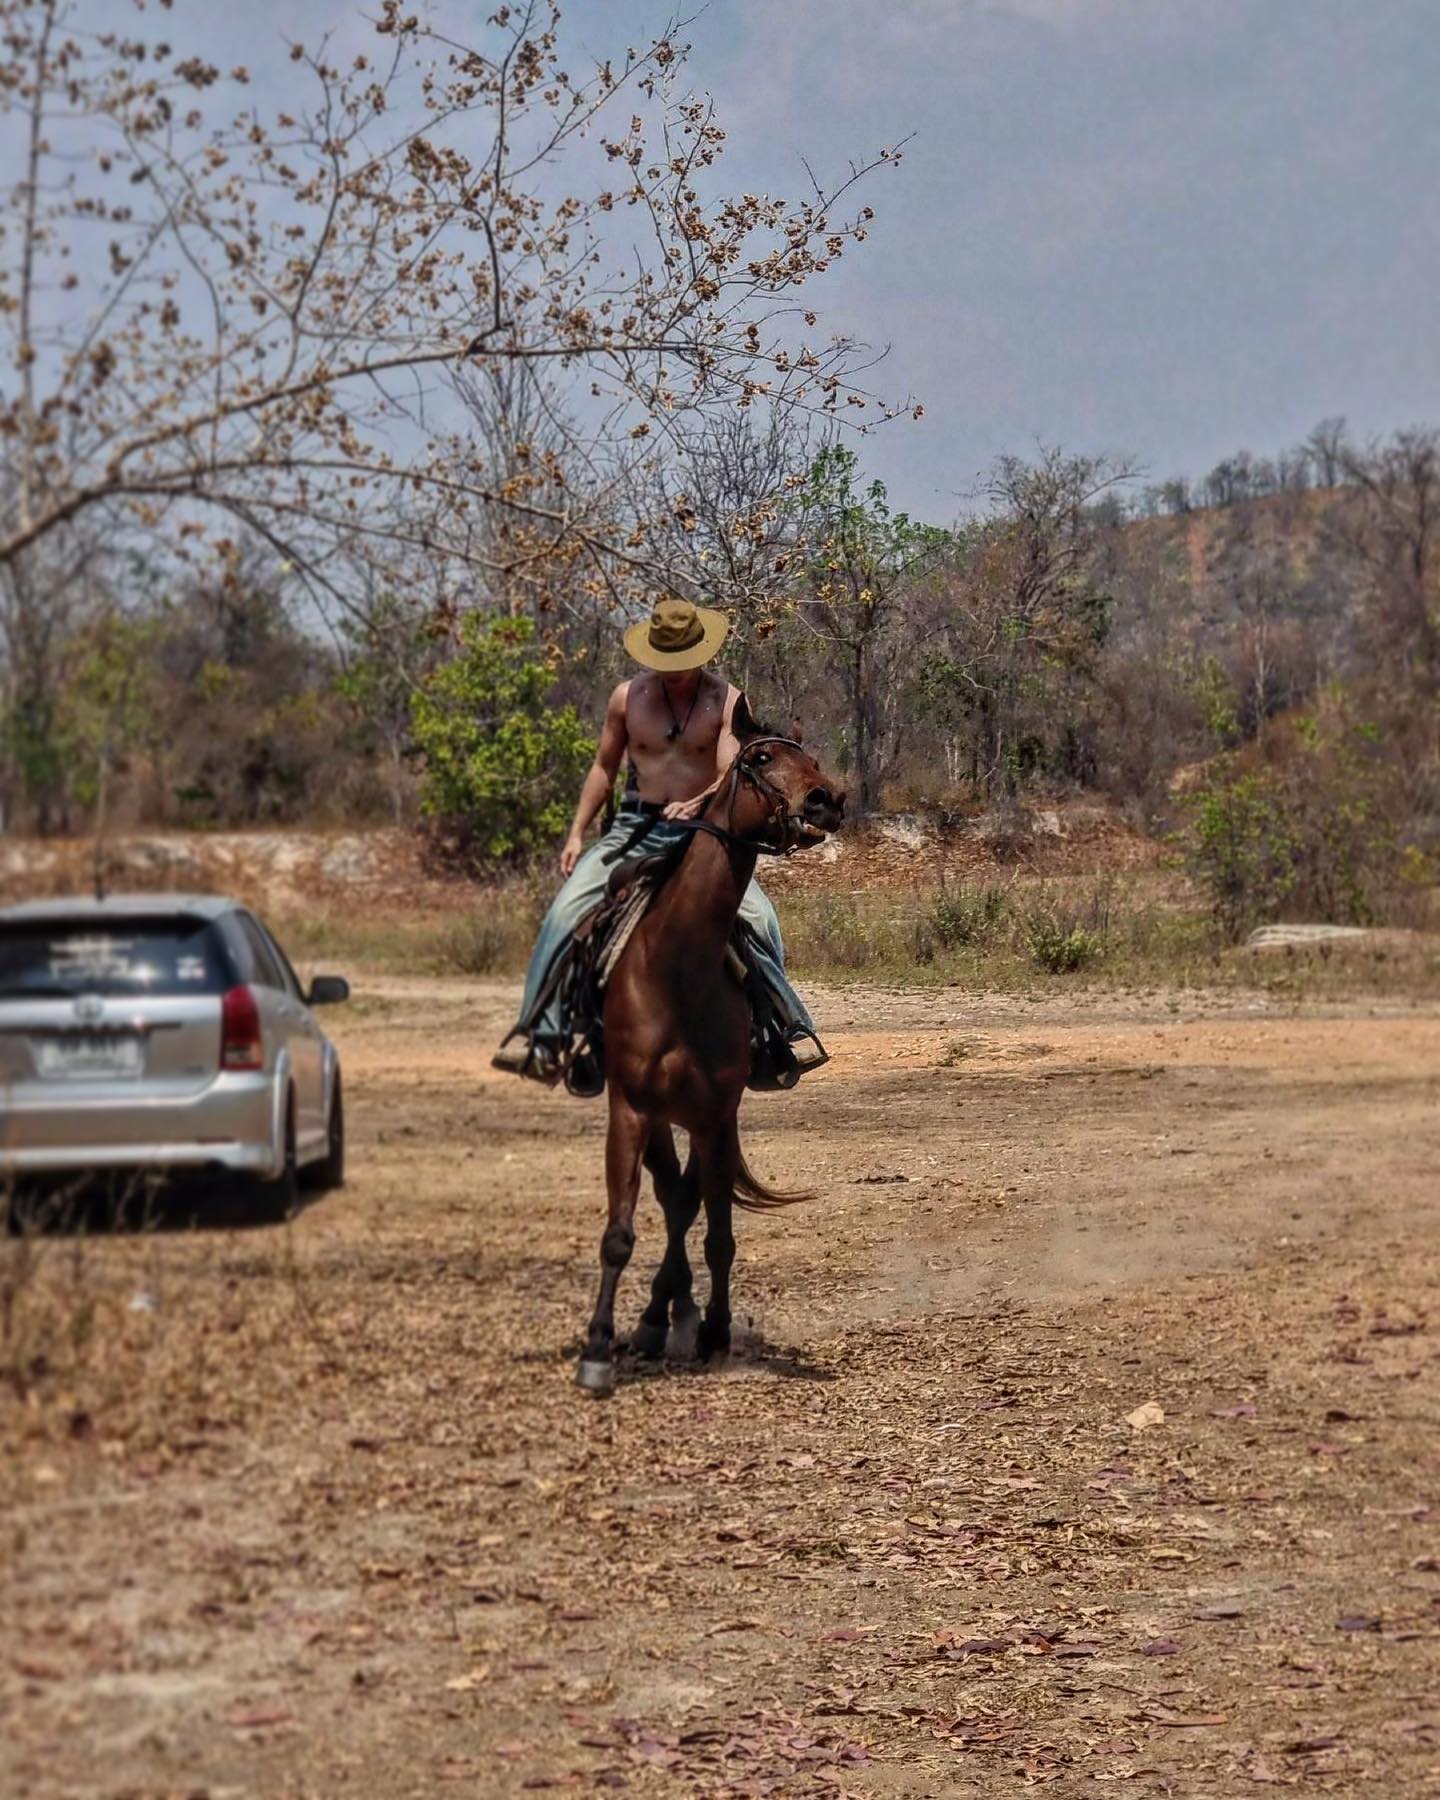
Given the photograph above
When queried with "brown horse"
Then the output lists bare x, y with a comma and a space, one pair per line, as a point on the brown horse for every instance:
677, 1047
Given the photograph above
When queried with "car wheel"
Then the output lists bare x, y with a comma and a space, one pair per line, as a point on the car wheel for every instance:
275, 1200
329, 1173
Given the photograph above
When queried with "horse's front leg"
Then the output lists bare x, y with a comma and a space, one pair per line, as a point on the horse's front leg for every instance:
624, 1150
679, 1197
719, 1164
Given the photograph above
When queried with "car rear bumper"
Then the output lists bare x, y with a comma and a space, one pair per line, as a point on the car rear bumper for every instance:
230, 1124
251, 1159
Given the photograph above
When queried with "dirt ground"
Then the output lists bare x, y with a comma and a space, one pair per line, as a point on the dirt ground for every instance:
319, 1511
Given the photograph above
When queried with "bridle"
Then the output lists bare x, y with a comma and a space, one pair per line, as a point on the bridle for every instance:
740, 770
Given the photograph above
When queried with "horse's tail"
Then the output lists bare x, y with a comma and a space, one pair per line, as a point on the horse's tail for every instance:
752, 1194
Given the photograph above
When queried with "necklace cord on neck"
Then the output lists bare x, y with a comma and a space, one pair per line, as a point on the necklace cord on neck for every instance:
677, 730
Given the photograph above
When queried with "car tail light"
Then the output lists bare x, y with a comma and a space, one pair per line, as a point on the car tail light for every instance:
241, 1045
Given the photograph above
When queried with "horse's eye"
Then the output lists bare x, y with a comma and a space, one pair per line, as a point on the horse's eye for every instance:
761, 758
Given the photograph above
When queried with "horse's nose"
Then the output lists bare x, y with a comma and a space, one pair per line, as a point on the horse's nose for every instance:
824, 807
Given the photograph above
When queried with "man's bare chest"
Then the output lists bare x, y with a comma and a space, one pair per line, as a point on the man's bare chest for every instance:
659, 727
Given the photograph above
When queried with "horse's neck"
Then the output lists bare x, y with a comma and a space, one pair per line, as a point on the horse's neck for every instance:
703, 897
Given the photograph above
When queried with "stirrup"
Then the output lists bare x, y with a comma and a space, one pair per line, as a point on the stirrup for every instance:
513, 1056
536, 1062
773, 1067
776, 1064
585, 1072
809, 1053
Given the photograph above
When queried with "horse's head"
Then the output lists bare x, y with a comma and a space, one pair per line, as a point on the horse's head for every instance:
801, 803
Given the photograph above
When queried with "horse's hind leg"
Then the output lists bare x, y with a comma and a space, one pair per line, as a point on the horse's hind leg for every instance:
679, 1198
719, 1165
684, 1340
624, 1148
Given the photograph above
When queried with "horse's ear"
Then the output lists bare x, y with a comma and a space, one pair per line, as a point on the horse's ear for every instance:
746, 726
797, 732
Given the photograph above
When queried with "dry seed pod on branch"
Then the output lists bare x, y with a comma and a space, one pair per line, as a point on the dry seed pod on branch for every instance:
237, 306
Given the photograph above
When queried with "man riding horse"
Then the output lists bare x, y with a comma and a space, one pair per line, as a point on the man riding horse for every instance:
681, 726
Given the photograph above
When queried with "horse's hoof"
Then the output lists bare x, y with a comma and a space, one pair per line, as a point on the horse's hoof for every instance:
712, 1342
648, 1341
683, 1343
596, 1378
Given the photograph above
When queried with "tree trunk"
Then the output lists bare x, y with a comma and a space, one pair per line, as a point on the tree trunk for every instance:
860, 730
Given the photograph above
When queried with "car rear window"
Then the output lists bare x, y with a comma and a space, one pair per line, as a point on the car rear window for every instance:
112, 957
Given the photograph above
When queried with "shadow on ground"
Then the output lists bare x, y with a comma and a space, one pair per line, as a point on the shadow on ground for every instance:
110, 1206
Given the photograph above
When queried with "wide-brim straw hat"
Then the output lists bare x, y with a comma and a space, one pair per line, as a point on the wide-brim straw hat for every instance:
678, 635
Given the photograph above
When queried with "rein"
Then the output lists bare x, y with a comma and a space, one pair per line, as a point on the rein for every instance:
739, 770
731, 839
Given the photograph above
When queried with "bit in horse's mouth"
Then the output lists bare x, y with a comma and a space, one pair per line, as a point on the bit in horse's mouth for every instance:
806, 833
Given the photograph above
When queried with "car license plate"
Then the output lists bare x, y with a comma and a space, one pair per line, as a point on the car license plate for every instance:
73, 1054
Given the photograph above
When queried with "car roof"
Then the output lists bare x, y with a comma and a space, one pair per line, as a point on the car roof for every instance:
118, 906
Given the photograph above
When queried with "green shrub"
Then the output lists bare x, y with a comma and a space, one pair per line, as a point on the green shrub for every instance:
1061, 946
1241, 850
1308, 832
830, 934
482, 944
958, 920
1064, 931
501, 764
497, 938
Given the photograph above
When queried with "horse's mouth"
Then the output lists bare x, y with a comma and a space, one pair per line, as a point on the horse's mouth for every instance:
803, 833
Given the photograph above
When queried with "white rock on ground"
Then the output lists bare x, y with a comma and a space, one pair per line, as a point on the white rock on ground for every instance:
1304, 937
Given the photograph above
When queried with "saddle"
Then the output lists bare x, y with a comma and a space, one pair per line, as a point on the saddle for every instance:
582, 972
654, 867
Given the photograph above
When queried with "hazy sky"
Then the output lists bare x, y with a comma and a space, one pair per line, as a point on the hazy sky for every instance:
1171, 227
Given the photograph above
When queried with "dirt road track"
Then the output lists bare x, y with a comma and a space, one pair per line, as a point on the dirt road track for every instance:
371, 1541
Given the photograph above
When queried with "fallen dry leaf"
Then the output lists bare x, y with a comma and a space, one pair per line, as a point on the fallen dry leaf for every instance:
1146, 1416
259, 1716
37, 1668
465, 1684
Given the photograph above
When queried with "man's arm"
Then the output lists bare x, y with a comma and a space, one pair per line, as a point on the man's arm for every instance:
735, 727
599, 778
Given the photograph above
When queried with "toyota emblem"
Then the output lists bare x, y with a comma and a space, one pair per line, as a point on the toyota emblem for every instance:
88, 1008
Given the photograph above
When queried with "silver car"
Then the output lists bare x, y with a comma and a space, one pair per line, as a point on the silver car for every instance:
161, 1033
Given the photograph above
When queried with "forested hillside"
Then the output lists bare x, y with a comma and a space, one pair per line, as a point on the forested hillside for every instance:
1226, 660
330, 483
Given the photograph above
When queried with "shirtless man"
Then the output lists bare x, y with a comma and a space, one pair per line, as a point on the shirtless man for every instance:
679, 724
